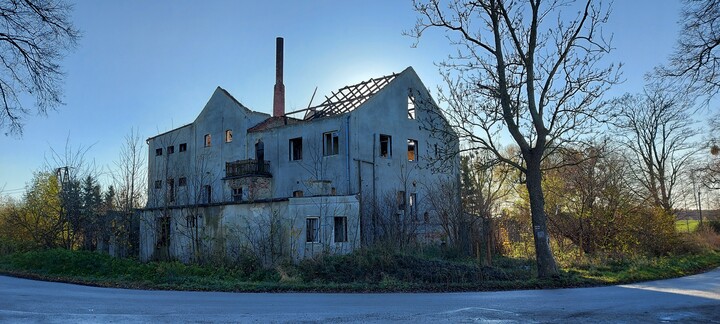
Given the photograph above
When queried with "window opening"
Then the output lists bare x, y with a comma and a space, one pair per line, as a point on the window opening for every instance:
297, 193
401, 200
208, 140
237, 194
158, 152
183, 147
312, 230
208, 193
171, 189
171, 149
228, 136
412, 149
296, 149
182, 182
340, 229
331, 144
412, 204
163, 231
191, 220
411, 107
158, 184
385, 146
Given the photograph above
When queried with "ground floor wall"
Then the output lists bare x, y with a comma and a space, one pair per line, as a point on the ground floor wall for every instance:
295, 228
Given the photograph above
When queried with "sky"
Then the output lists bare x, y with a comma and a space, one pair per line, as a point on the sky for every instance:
152, 65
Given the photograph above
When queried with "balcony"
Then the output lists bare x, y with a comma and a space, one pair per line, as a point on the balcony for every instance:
247, 168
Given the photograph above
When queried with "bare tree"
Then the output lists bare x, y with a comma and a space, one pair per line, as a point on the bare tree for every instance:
520, 70
129, 177
658, 131
34, 38
696, 60
484, 185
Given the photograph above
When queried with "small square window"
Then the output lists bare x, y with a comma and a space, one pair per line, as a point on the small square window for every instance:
237, 194
297, 193
385, 146
182, 182
183, 147
171, 149
228, 136
312, 230
208, 140
296, 149
412, 149
340, 229
158, 184
331, 144
158, 151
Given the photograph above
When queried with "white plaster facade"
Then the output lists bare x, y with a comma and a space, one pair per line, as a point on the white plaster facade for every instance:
375, 144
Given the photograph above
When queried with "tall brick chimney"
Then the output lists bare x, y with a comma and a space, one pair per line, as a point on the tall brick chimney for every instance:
279, 96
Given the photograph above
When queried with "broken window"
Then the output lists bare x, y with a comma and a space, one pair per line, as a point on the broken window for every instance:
158, 152
183, 147
412, 149
171, 189
296, 149
228, 136
331, 144
171, 149
182, 182
312, 230
163, 231
385, 146
340, 229
158, 184
412, 204
401, 200
237, 194
208, 194
411, 107
208, 140
297, 193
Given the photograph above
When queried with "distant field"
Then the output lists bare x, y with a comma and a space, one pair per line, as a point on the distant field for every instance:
686, 226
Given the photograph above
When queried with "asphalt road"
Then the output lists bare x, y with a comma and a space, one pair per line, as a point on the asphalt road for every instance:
685, 300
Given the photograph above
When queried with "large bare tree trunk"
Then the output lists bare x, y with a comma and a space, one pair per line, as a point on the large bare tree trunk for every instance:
546, 265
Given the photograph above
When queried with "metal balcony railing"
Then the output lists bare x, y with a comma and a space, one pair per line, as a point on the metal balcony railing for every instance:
245, 168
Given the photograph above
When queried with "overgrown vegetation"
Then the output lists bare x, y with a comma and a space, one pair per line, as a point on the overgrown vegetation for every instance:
373, 269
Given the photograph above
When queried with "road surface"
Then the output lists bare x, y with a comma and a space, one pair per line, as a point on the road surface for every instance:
685, 300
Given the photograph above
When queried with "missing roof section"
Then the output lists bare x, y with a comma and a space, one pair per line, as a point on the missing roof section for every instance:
348, 98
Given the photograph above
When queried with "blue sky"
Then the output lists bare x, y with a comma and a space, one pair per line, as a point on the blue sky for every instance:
153, 65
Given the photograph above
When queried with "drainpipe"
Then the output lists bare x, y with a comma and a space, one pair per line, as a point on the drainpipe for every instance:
347, 150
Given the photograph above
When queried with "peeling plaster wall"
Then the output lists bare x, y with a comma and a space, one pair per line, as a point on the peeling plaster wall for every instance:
229, 230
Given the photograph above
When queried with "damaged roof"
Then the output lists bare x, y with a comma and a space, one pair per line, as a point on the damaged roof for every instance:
348, 98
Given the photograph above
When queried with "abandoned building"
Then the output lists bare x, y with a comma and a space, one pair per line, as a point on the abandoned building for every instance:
317, 180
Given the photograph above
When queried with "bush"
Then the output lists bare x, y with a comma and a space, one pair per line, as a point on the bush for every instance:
374, 265
713, 225
704, 239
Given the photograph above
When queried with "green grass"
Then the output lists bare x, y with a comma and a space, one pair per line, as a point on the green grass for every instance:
362, 271
686, 226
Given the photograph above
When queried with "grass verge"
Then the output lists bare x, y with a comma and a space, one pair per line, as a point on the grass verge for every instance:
362, 271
